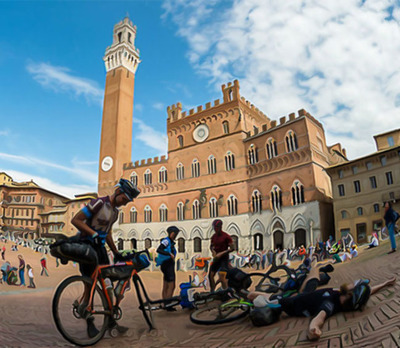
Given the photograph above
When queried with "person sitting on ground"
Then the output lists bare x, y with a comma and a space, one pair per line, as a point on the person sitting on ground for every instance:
319, 304
374, 241
94, 223
166, 259
354, 251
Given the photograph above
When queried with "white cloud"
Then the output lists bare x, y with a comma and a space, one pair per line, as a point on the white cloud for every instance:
69, 191
159, 106
60, 78
151, 137
75, 170
338, 59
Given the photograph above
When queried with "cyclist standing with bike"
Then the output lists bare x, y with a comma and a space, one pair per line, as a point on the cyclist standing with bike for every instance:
94, 223
221, 246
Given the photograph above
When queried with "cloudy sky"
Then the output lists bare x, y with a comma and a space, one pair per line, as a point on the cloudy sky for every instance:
338, 59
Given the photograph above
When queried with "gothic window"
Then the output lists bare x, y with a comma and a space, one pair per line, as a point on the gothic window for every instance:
256, 201
276, 198
212, 165
253, 157
180, 172
291, 141
196, 210
180, 141
121, 217
197, 245
163, 211
297, 193
181, 245
134, 179
119, 37
213, 208
180, 211
195, 168
229, 161
133, 215
148, 177
129, 37
147, 214
272, 149
162, 175
225, 126
232, 205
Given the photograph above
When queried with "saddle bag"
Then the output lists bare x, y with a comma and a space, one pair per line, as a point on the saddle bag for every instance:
237, 279
73, 249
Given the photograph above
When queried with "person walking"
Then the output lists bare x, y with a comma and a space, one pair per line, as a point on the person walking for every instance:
166, 259
221, 246
391, 217
21, 270
31, 277
43, 263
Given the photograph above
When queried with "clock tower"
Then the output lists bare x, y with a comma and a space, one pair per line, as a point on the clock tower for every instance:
121, 60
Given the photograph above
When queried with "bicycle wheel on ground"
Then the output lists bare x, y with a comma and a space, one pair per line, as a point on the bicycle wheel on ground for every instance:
220, 313
72, 319
144, 302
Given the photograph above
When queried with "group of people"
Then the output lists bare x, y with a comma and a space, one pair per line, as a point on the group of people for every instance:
9, 273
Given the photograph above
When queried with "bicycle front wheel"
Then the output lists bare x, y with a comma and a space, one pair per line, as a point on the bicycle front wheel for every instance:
73, 321
220, 313
144, 301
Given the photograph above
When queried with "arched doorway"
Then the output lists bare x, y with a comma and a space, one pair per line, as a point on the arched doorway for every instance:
300, 237
133, 243
235, 240
120, 244
258, 242
278, 240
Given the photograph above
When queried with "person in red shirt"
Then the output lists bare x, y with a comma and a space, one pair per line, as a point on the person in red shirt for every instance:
221, 246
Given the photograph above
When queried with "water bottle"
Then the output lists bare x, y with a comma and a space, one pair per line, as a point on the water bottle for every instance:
118, 290
109, 288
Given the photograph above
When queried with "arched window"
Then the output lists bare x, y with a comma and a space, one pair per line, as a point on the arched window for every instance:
148, 177
225, 127
181, 245
256, 202
291, 141
235, 241
360, 211
229, 161
147, 243
197, 245
180, 141
134, 179
180, 210
162, 175
258, 241
180, 171
232, 205
271, 148
147, 214
196, 210
297, 193
213, 207
121, 217
195, 168
133, 243
163, 212
276, 198
133, 215
253, 156
120, 244
212, 165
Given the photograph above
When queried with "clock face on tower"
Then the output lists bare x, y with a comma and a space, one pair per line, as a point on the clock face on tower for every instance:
107, 163
201, 133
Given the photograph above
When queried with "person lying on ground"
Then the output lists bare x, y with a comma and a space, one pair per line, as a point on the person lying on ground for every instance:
319, 304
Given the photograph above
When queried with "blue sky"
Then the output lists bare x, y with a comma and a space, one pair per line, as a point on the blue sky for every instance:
338, 60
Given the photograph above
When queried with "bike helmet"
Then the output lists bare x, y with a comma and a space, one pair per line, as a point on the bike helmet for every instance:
361, 293
130, 190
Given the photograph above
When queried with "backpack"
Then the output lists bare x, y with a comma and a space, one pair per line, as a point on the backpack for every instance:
237, 279
263, 316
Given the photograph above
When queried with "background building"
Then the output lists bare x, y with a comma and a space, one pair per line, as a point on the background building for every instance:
265, 179
361, 186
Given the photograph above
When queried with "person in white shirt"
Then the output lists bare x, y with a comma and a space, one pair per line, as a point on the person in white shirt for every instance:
31, 277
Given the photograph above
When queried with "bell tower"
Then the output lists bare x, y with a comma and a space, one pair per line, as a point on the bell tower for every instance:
121, 60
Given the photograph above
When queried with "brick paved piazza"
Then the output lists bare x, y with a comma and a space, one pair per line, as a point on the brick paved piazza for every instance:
26, 320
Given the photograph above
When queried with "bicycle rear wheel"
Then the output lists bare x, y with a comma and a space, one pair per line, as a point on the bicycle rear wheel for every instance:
220, 313
70, 314
144, 301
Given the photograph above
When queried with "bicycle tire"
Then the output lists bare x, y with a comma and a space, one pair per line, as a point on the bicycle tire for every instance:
144, 306
219, 314
77, 289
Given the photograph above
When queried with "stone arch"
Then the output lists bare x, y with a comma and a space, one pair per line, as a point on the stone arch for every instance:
162, 233
132, 234
299, 221
234, 229
182, 233
117, 234
147, 234
257, 227
277, 223
196, 232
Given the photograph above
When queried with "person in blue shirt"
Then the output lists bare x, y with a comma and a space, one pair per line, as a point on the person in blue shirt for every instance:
166, 259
